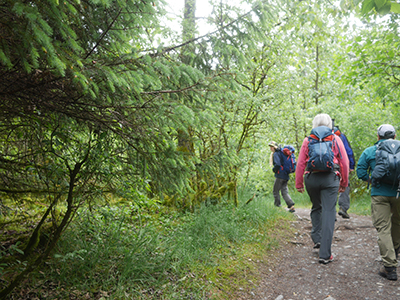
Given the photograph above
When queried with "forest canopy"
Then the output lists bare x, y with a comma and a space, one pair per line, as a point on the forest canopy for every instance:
101, 100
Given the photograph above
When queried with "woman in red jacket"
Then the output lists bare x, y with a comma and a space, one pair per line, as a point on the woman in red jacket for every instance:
324, 168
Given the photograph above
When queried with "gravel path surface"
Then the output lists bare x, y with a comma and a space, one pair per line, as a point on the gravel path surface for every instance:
352, 275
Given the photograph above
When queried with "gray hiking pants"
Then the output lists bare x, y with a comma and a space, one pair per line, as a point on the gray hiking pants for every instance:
385, 213
323, 188
344, 199
280, 185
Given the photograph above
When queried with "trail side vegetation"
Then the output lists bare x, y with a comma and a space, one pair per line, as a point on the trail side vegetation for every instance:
134, 158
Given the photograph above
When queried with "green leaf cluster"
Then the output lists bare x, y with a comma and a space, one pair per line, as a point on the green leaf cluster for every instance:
382, 7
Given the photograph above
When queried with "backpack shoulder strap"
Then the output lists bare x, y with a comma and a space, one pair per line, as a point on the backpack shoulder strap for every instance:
280, 154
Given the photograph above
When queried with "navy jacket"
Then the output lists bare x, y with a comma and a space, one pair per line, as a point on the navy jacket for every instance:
278, 167
349, 151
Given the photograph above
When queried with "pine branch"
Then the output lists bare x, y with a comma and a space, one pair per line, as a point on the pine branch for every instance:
171, 91
104, 33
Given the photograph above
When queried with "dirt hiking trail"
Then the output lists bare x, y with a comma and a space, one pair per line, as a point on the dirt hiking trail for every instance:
353, 275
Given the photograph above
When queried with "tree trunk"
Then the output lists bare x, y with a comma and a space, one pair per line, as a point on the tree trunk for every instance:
316, 75
188, 29
64, 223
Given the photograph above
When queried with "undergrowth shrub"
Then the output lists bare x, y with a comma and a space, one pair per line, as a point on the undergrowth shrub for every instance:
163, 255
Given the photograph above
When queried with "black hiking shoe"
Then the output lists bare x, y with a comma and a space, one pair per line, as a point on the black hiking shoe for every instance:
389, 273
317, 245
291, 209
326, 261
343, 213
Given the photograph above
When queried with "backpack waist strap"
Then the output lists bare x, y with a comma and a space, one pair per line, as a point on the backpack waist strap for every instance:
336, 168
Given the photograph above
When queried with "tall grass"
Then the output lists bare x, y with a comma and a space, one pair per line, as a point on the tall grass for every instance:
123, 253
360, 204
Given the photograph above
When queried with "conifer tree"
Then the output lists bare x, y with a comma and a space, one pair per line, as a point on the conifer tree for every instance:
84, 102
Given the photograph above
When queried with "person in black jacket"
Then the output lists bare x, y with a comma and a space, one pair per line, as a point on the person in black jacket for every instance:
281, 178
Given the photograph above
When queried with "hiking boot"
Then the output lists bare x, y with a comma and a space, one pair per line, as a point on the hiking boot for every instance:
317, 245
389, 273
291, 209
343, 213
325, 261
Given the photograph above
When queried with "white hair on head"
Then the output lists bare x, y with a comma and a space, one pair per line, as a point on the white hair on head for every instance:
322, 120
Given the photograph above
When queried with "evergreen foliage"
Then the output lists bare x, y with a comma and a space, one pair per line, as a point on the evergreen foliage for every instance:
94, 106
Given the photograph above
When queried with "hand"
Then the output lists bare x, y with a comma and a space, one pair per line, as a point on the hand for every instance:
342, 189
351, 170
300, 190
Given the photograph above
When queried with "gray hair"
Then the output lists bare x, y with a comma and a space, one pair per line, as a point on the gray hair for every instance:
322, 120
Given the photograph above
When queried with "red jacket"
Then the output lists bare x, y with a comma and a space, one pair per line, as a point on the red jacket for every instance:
339, 158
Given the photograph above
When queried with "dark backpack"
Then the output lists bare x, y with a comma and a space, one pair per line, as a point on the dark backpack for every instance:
288, 159
387, 163
320, 149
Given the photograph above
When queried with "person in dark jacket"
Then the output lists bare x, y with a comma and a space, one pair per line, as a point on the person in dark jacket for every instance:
281, 178
385, 208
344, 198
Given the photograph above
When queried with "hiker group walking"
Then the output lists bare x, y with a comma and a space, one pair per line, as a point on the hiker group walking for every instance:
322, 169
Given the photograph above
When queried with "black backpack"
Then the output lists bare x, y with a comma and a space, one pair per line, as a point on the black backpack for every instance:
387, 164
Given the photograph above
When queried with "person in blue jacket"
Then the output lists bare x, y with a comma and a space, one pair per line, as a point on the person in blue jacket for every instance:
385, 208
281, 178
344, 198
